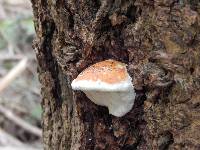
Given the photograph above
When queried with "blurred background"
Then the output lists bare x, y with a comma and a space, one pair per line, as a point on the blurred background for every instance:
20, 111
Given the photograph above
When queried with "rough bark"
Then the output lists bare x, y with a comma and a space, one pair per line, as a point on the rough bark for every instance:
159, 41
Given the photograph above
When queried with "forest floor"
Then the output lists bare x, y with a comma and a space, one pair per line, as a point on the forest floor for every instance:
20, 111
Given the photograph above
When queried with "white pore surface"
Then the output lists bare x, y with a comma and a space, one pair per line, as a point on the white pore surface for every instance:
119, 102
119, 97
86, 85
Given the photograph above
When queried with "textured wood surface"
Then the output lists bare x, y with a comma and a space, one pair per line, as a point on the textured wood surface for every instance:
160, 42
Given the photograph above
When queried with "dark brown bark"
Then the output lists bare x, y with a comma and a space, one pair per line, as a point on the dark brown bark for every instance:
159, 40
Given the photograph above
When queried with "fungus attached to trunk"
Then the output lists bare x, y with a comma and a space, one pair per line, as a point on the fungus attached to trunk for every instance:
107, 83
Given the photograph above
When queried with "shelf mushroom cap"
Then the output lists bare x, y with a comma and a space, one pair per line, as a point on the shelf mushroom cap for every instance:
108, 75
107, 83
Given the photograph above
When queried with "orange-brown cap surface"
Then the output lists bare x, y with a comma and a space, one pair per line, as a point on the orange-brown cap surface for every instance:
108, 75
108, 71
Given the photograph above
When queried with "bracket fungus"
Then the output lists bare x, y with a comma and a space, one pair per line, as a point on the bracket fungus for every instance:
107, 83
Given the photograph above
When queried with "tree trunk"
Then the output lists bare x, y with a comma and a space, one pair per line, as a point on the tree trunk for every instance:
159, 41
